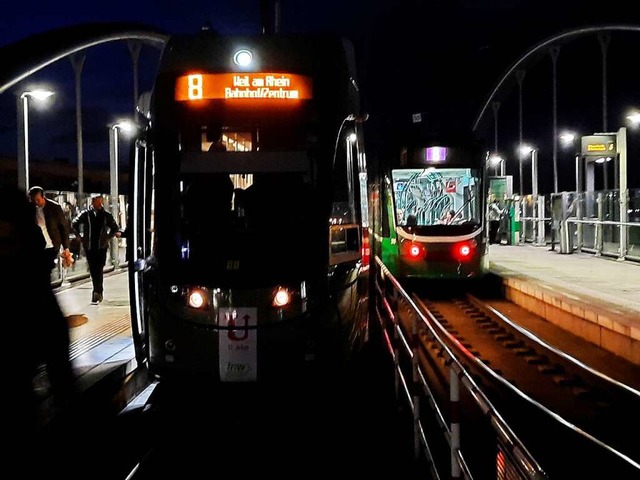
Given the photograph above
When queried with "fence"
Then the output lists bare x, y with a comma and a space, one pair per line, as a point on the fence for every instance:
599, 222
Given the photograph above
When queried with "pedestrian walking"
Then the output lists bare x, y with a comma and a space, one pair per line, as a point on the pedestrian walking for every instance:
96, 227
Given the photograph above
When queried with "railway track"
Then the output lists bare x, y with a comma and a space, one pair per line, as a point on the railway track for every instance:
573, 416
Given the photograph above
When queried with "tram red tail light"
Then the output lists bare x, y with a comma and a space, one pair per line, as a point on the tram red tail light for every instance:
414, 251
366, 248
464, 251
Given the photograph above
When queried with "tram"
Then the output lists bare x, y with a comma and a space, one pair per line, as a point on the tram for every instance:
247, 206
428, 210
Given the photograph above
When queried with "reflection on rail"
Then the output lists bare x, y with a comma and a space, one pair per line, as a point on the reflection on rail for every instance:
402, 322
437, 367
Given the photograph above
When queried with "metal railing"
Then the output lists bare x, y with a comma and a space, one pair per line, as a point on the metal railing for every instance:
403, 324
602, 223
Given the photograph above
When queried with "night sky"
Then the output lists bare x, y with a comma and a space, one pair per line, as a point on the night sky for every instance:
439, 58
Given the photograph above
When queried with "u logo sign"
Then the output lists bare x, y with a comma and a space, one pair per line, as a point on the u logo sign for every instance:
240, 334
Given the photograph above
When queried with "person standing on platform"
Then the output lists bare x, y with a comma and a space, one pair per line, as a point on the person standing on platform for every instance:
51, 219
39, 323
493, 215
96, 227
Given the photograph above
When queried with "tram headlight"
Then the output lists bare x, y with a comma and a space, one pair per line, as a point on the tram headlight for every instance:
281, 298
197, 299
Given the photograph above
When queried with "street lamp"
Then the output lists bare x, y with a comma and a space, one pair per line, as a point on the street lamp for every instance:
566, 139
127, 127
496, 160
634, 118
23, 133
526, 150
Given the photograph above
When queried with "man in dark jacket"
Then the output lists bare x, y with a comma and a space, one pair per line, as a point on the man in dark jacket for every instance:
42, 323
96, 227
50, 217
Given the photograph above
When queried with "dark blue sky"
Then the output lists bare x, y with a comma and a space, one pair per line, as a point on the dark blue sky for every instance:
107, 72
439, 56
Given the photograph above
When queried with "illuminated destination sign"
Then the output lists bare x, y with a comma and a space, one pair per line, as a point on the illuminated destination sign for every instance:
598, 145
252, 86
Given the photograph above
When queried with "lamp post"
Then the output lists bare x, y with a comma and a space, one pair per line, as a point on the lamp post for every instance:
127, 127
526, 150
566, 139
23, 133
497, 161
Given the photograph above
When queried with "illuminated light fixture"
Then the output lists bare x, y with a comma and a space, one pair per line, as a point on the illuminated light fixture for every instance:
281, 298
196, 299
464, 251
436, 154
414, 250
352, 137
567, 138
603, 159
243, 58
634, 117
495, 159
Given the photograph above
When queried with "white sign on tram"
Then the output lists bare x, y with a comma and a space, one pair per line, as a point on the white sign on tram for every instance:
238, 346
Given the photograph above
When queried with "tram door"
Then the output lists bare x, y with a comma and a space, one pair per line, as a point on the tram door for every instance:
139, 241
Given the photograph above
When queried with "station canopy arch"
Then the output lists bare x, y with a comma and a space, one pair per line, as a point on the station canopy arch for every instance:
508, 81
25, 57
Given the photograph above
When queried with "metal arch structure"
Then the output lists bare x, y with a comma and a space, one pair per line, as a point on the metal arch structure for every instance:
25, 57
509, 80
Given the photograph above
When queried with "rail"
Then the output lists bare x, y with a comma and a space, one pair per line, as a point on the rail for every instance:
412, 385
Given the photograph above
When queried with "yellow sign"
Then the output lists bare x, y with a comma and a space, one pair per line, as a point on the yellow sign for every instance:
252, 86
597, 147
594, 145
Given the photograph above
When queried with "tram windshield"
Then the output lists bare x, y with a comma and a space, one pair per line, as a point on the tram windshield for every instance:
252, 225
248, 189
437, 196
245, 223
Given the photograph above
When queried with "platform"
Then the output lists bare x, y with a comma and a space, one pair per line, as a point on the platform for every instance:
596, 298
101, 348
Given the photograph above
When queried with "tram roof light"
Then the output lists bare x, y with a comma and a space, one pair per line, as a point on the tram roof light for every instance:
243, 57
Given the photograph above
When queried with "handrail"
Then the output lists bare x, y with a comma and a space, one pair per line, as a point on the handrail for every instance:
524, 460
